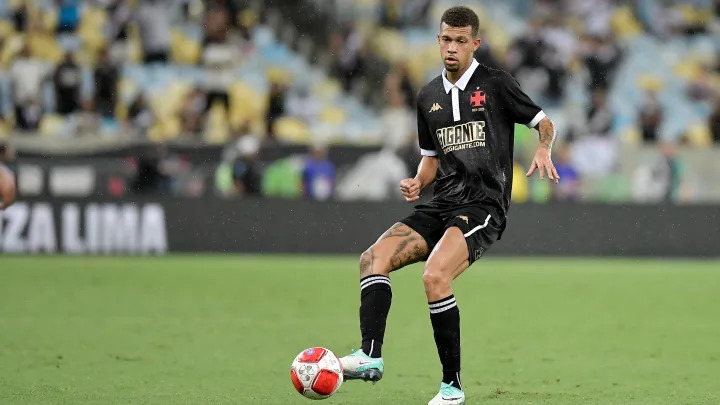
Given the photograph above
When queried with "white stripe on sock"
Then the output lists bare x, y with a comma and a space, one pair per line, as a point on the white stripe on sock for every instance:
364, 286
457, 377
443, 309
372, 346
442, 303
372, 278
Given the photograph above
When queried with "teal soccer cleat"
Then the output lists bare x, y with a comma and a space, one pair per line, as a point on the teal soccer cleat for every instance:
448, 395
359, 366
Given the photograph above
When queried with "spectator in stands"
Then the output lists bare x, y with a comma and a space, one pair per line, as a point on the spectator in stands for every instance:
416, 12
599, 115
347, 47
151, 176
318, 175
658, 179
301, 104
602, 56
535, 63
192, 110
391, 13
154, 22
594, 149
246, 173
217, 23
398, 119
276, 105
484, 53
714, 120
67, 85
651, 116
20, 16
139, 114
68, 15
569, 187
27, 75
402, 71
700, 87
106, 80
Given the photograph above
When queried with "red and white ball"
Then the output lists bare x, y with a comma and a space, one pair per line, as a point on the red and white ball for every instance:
316, 373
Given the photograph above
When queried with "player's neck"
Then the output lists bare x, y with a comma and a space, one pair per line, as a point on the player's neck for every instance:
453, 77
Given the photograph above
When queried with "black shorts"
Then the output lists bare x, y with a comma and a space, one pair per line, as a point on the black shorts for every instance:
475, 222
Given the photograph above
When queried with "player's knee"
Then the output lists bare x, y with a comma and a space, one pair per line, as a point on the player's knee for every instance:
434, 279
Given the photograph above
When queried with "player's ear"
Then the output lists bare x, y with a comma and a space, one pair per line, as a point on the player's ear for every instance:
476, 43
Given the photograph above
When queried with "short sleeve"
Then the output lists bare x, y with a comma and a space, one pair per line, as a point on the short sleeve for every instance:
521, 108
427, 146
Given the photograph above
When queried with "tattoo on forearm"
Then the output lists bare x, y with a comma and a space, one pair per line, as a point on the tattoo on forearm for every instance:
547, 133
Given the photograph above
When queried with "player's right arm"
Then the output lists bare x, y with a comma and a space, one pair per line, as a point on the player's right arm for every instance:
7, 187
427, 169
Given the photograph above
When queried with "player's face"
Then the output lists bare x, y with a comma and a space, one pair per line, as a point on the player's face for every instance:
456, 47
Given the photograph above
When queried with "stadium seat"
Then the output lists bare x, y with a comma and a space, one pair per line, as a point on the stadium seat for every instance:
51, 125
217, 126
333, 115
184, 50
90, 28
623, 23
291, 130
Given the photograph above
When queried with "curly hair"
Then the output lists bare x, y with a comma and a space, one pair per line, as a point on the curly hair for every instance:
461, 16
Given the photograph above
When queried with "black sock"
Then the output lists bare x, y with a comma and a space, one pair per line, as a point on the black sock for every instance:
375, 299
445, 318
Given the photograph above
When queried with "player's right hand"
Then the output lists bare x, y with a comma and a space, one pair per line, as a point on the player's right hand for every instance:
410, 189
7, 187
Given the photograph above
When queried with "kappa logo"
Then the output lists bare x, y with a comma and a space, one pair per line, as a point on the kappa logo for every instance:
464, 218
435, 107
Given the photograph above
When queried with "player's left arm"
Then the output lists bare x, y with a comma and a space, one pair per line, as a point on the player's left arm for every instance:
523, 110
542, 160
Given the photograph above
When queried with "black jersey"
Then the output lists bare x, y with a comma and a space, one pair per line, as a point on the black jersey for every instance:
469, 126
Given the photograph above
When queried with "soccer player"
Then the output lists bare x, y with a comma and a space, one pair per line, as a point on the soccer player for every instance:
466, 118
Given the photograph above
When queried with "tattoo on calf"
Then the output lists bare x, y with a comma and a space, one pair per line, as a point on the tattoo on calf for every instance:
366, 263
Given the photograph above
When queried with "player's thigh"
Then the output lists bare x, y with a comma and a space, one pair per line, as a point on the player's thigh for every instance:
448, 259
399, 246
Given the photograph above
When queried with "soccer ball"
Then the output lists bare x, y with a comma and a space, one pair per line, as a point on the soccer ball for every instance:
316, 373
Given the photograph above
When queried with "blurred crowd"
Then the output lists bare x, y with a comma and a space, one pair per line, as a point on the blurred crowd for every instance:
63, 68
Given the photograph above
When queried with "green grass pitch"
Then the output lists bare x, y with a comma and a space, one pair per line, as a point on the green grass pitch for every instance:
224, 330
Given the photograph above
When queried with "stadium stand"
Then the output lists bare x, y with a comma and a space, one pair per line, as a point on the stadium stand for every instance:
634, 88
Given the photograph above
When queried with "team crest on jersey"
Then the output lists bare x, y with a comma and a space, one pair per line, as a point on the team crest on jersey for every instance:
464, 218
435, 107
477, 100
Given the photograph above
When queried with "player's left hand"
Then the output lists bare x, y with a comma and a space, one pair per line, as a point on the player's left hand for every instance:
542, 162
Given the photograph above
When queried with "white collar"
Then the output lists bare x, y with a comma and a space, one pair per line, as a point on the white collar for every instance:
464, 79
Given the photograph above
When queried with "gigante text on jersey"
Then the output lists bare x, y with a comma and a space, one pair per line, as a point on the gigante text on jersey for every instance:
463, 136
